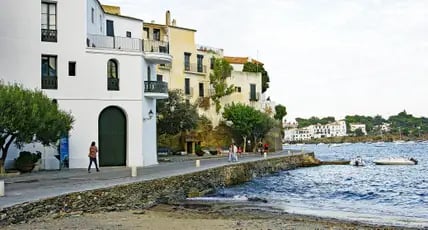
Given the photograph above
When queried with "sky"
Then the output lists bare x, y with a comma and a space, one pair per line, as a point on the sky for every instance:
324, 57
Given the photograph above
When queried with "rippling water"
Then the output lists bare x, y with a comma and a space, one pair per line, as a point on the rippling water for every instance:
378, 194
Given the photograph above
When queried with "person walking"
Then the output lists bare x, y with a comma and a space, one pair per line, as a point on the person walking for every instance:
233, 153
93, 150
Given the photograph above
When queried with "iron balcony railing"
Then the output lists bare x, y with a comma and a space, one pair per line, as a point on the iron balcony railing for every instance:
165, 66
112, 83
109, 42
49, 82
196, 68
126, 44
155, 46
155, 87
49, 35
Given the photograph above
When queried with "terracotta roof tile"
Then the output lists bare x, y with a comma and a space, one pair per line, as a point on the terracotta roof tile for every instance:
241, 60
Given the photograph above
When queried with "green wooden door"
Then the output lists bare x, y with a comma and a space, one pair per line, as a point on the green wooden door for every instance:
112, 137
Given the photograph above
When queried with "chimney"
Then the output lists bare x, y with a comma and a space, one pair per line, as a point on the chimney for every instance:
168, 18
174, 22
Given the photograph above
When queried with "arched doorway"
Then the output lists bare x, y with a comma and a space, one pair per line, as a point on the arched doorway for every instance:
112, 137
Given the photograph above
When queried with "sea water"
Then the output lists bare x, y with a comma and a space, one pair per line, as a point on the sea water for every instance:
379, 194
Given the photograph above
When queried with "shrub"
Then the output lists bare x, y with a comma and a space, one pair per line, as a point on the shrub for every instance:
26, 160
198, 150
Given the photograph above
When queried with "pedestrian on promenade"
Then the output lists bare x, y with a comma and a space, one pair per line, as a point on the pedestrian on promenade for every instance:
233, 152
240, 151
260, 147
93, 150
266, 147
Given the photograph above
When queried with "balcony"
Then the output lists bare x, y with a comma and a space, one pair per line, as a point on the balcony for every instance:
113, 83
165, 66
156, 89
254, 96
157, 52
49, 35
114, 43
195, 68
49, 82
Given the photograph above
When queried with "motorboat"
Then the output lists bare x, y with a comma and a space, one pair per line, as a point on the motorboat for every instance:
334, 145
358, 161
396, 161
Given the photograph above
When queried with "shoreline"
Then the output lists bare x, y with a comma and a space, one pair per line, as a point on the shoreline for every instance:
196, 215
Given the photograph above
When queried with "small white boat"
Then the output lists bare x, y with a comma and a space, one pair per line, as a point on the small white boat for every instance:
334, 145
358, 161
396, 161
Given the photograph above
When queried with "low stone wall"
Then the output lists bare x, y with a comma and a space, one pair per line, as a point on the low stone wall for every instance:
147, 193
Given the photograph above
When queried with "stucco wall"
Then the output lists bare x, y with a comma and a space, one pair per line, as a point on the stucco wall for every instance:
146, 193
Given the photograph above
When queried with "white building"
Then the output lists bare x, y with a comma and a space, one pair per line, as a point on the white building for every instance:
334, 129
94, 65
355, 126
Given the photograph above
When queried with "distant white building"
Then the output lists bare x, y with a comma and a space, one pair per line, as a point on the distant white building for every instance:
355, 126
93, 64
384, 127
334, 129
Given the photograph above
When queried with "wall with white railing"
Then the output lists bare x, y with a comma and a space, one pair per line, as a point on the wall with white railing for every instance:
123, 25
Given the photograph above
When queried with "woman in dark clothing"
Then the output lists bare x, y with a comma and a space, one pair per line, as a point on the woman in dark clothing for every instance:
93, 150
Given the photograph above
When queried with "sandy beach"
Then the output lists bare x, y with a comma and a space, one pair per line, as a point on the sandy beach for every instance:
195, 216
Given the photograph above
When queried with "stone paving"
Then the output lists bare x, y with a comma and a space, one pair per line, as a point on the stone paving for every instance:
45, 184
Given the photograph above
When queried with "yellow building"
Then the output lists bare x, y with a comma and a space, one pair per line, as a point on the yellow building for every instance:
191, 67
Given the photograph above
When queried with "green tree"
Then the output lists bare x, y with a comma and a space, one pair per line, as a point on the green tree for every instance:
280, 112
27, 116
222, 70
247, 121
359, 132
313, 121
257, 67
175, 115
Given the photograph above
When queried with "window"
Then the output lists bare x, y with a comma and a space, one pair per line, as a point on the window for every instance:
49, 72
71, 68
92, 15
159, 77
128, 34
149, 73
101, 23
110, 28
201, 89
156, 34
187, 86
238, 89
146, 30
48, 25
253, 92
187, 61
212, 62
112, 75
199, 59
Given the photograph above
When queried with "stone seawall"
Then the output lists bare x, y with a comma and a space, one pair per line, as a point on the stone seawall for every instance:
147, 193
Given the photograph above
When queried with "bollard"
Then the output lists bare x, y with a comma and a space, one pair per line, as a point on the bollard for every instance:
1, 187
198, 163
265, 155
289, 152
133, 171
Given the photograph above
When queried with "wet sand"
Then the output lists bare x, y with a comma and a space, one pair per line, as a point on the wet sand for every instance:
193, 216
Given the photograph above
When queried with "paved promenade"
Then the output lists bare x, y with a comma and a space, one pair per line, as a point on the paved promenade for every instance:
45, 184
